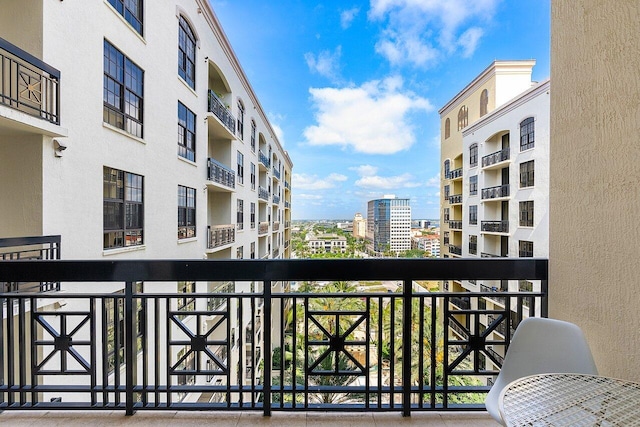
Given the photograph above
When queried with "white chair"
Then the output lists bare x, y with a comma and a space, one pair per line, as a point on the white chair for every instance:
541, 346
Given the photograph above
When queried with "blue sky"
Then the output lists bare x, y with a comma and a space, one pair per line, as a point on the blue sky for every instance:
353, 87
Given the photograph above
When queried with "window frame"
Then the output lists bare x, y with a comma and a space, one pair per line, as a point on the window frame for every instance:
186, 52
526, 210
473, 214
527, 133
240, 120
527, 174
252, 215
240, 214
473, 155
473, 185
240, 168
525, 248
133, 19
186, 212
253, 136
473, 244
123, 214
253, 176
186, 132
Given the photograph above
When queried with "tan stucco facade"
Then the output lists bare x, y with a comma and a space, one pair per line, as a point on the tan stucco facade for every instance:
595, 177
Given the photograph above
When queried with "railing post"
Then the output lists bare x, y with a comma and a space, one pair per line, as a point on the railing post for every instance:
268, 304
129, 347
406, 348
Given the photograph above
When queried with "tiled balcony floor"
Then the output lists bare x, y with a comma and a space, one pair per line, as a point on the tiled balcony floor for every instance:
244, 419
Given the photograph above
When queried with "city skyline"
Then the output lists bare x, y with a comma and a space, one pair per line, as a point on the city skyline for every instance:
398, 62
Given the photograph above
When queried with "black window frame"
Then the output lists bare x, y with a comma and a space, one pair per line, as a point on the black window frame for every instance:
473, 214
525, 249
186, 132
240, 120
186, 212
526, 213
527, 133
132, 16
240, 168
123, 92
253, 136
253, 215
123, 209
473, 185
473, 244
527, 174
253, 176
473, 155
186, 52
240, 214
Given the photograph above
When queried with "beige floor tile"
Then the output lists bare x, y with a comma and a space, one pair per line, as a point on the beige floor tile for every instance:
391, 419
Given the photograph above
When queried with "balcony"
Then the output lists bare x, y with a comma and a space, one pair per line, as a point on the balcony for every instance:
495, 226
497, 192
220, 174
223, 115
455, 174
221, 235
28, 84
287, 185
74, 356
263, 194
496, 158
488, 290
287, 205
276, 199
263, 228
455, 225
264, 160
490, 255
29, 248
456, 199
276, 225
456, 250
276, 173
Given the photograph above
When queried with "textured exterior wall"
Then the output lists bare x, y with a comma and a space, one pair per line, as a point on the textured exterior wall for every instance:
595, 175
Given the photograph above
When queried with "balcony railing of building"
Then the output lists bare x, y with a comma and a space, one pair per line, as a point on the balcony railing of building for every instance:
263, 193
497, 157
287, 224
221, 112
221, 235
488, 290
28, 84
455, 199
30, 248
263, 228
287, 185
276, 199
264, 159
455, 174
457, 250
217, 172
495, 226
276, 226
489, 255
455, 225
276, 172
495, 192
287, 205
134, 350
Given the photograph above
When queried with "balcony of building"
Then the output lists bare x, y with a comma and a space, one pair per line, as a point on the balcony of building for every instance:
263, 194
275, 226
497, 193
495, 227
264, 161
173, 361
219, 176
30, 248
220, 121
263, 228
455, 199
455, 174
455, 250
455, 225
220, 236
497, 160
276, 173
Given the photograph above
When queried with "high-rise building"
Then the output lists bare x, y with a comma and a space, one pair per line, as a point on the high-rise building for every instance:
359, 226
388, 225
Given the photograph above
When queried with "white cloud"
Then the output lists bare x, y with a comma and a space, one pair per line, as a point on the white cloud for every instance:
313, 182
434, 181
308, 196
371, 118
419, 32
388, 183
347, 17
365, 170
326, 63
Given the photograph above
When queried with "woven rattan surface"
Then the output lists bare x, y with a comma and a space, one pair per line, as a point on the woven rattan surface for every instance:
570, 400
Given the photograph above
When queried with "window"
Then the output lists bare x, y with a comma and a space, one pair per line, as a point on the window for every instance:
447, 169
186, 53
527, 174
123, 209
253, 176
526, 214
473, 155
446, 214
473, 245
463, 117
253, 136
240, 168
525, 286
473, 214
253, 250
446, 237
484, 102
187, 302
473, 185
131, 10
527, 134
122, 91
253, 215
240, 214
186, 212
525, 248
186, 133
447, 128
447, 190
114, 310
240, 252
240, 120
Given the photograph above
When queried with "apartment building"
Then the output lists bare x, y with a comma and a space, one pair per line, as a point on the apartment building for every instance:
130, 130
388, 225
359, 226
326, 243
429, 243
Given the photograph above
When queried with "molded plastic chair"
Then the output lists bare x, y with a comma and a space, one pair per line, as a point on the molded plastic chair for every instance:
541, 346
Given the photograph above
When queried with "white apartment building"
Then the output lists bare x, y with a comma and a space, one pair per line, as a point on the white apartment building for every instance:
359, 226
429, 243
131, 130
326, 243
388, 225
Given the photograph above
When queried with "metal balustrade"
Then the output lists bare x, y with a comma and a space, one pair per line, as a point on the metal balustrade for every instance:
455, 199
495, 226
455, 174
219, 110
497, 157
364, 351
495, 192
217, 172
264, 159
30, 248
221, 235
263, 194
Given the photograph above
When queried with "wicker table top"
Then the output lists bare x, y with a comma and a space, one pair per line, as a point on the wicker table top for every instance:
570, 400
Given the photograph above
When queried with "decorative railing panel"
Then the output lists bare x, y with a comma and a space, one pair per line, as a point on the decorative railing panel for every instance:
497, 157
263, 193
29, 248
495, 226
221, 112
264, 159
217, 172
221, 235
495, 192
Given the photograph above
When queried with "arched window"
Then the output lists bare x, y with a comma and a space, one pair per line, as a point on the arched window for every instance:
527, 133
447, 168
473, 155
463, 117
484, 102
186, 53
240, 120
447, 128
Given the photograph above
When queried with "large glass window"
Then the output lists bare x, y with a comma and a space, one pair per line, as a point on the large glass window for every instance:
473, 155
527, 134
240, 214
447, 169
526, 214
186, 53
473, 215
114, 313
253, 136
527, 174
122, 91
186, 212
240, 168
525, 248
473, 244
473, 185
463, 117
131, 10
123, 209
253, 176
253, 215
186, 133
240, 120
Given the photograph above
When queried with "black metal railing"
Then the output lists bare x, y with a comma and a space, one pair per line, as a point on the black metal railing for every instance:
30, 248
497, 157
119, 341
276, 199
220, 235
264, 159
495, 226
455, 199
455, 225
457, 250
263, 193
495, 192
455, 174
217, 172
221, 112
276, 172
28, 84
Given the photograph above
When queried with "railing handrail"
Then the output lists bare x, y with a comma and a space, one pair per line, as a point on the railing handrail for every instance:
29, 58
7, 242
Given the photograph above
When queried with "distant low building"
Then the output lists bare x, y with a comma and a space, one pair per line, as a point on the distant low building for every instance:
429, 243
326, 243
359, 226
